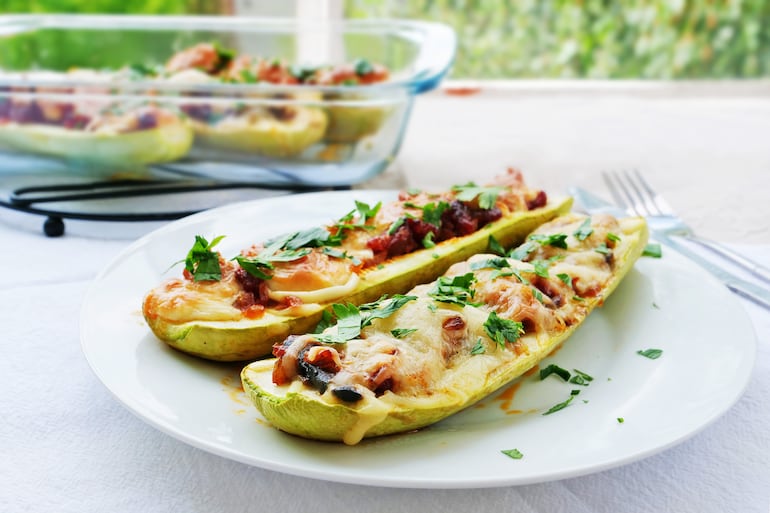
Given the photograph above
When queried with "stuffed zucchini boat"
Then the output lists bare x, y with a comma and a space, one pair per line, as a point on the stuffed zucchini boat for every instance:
111, 135
406, 362
237, 309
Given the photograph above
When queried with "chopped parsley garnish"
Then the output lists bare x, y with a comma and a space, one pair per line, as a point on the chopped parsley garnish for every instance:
325, 322
562, 405
302, 73
584, 230
431, 212
612, 237
396, 225
513, 453
581, 378
621, 420
557, 240
479, 347
523, 251
456, 289
554, 369
142, 70
351, 319
578, 298
402, 332
427, 241
540, 268
495, 246
248, 76
502, 330
413, 191
363, 67
490, 263
366, 212
255, 267
288, 255
312, 238
487, 195
202, 262
652, 250
538, 295
565, 278
603, 249
652, 354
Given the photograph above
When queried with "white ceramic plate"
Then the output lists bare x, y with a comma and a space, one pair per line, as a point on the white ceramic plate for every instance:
708, 352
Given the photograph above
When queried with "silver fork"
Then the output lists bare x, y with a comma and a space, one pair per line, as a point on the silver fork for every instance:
632, 192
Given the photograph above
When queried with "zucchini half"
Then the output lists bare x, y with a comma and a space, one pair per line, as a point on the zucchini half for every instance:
264, 134
299, 409
249, 339
164, 143
351, 124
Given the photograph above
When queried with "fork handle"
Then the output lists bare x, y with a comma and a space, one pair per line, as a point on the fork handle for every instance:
758, 270
755, 293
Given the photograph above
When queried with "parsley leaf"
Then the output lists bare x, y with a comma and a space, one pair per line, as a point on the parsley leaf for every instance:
382, 308
495, 246
202, 262
562, 405
554, 369
487, 195
427, 241
565, 278
612, 237
584, 230
312, 238
513, 453
431, 212
603, 249
402, 332
523, 251
540, 268
490, 263
502, 330
557, 240
363, 67
581, 378
256, 267
479, 347
325, 322
652, 250
652, 354
456, 289
396, 225
365, 212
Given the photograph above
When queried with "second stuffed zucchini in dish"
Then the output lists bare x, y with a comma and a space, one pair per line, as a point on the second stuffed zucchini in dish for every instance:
236, 309
408, 361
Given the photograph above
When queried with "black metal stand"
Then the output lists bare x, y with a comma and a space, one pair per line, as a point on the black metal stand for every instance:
25, 199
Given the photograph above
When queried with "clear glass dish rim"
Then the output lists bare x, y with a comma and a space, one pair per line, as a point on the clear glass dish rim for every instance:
435, 57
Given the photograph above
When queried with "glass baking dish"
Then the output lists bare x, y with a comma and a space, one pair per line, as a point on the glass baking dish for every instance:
53, 68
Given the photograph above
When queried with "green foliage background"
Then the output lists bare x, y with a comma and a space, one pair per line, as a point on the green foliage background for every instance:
653, 39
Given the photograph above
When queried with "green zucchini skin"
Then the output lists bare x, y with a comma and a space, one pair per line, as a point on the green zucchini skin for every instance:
266, 136
299, 410
162, 144
250, 339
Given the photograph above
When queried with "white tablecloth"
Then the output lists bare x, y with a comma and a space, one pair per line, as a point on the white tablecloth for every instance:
66, 445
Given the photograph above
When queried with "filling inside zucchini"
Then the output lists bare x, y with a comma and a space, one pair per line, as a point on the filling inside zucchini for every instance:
236, 309
408, 361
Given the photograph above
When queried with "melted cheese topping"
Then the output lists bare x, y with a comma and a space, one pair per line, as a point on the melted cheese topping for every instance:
436, 359
323, 295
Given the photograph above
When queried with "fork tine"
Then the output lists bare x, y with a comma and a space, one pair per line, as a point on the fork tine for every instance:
643, 202
663, 207
620, 193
